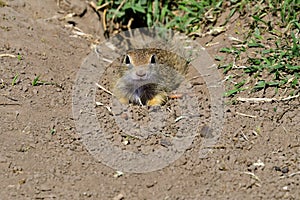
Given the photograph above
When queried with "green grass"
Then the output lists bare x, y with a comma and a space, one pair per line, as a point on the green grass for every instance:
19, 57
52, 131
15, 79
36, 82
186, 15
271, 47
266, 55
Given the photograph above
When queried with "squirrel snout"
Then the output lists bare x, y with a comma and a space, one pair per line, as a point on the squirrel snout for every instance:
141, 73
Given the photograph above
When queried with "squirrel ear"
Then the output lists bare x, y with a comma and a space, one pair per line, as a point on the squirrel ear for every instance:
127, 60
153, 59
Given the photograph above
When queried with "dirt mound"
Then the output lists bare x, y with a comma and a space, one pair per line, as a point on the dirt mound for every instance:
42, 156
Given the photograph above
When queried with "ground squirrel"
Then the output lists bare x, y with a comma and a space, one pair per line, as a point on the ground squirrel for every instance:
147, 76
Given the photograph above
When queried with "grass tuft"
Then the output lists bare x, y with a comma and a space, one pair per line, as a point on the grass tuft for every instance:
268, 54
272, 47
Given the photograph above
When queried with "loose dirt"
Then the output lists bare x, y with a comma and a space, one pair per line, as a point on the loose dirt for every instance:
43, 157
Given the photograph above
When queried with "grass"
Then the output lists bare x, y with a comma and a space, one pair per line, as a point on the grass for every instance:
271, 48
19, 57
52, 131
15, 80
186, 15
266, 56
36, 82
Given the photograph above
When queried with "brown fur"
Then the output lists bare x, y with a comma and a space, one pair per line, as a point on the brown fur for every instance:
146, 76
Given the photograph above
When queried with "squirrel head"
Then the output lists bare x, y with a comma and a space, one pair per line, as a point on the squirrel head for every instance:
139, 66
146, 73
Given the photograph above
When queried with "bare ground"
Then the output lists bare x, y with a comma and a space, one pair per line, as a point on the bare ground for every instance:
257, 156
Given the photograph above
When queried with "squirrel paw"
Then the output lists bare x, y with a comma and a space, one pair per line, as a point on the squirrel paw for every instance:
124, 100
157, 100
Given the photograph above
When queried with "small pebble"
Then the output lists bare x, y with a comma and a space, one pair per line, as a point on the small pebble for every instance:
149, 185
276, 168
285, 170
25, 89
119, 197
124, 116
34, 91
285, 188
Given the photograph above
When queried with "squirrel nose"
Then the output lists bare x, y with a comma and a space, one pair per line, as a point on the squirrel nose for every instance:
140, 73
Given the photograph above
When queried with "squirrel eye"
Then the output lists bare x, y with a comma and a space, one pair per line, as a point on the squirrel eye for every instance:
152, 59
127, 60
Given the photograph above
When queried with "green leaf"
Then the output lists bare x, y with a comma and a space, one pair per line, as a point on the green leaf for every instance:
253, 43
267, 51
14, 81
232, 11
240, 84
227, 68
226, 50
231, 92
138, 8
52, 131
293, 68
272, 84
35, 81
99, 3
219, 58
258, 19
149, 20
164, 12
19, 57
